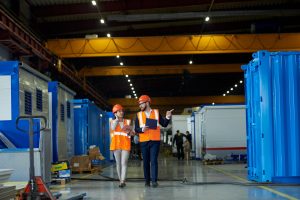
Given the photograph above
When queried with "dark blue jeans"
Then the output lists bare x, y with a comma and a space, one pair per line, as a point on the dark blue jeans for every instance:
150, 151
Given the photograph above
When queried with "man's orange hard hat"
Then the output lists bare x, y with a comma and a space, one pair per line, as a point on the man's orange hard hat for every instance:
144, 98
116, 108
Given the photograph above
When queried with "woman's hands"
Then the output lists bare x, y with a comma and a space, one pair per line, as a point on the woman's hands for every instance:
128, 129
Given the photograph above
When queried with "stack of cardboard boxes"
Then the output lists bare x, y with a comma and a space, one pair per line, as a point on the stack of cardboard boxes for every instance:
84, 162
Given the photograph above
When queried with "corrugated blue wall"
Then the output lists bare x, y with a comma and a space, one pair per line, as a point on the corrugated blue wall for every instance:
91, 127
8, 127
272, 85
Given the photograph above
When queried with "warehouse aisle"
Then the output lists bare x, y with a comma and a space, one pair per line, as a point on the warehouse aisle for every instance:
171, 168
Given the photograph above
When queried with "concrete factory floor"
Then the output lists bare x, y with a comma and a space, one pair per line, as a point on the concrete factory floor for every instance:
171, 172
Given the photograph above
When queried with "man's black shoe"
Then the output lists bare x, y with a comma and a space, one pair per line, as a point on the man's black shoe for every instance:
147, 184
154, 184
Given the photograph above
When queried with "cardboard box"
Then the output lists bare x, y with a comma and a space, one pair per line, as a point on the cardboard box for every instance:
94, 154
81, 163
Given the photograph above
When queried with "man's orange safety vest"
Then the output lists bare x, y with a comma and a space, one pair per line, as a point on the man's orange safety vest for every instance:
150, 134
120, 140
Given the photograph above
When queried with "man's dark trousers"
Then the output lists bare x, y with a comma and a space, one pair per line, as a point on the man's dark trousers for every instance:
180, 153
150, 150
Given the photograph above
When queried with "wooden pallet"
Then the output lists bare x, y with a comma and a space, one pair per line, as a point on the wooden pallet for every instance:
60, 181
213, 162
81, 171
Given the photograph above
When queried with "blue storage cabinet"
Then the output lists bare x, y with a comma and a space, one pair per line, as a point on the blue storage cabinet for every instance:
23, 91
62, 127
106, 127
91, 127
272, 87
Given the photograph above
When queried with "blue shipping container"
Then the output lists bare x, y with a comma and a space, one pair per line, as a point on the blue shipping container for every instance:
62, 127
91, 127
23, 91
272, 85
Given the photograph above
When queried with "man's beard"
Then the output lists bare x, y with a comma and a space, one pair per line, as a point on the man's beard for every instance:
143, 109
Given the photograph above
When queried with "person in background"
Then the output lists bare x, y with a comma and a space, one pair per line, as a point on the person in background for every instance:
178, 138
150, 137
189, 138
121, 132
187, 149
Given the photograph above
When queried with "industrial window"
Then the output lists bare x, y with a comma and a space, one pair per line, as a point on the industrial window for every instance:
62, 112
39, 100
28, 103
68, 110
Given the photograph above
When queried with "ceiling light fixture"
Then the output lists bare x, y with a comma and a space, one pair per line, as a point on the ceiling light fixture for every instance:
102, 21
94, 3
118, 56
121, 63
191, 62
241, 81
130, 84
224, 95
108, 35
207, 18
235, 85
126, 75
129, 80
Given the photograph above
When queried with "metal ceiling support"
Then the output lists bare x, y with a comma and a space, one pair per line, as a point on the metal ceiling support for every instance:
14, 46
44, 9
158, 70
8, 24
131, 104
173, 45
36, 48
59, 8
200, 15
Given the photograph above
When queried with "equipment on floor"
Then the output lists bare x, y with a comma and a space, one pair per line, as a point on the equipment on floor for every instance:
36, 188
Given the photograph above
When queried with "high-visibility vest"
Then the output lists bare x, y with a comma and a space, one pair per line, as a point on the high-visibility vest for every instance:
120, 140
150, 134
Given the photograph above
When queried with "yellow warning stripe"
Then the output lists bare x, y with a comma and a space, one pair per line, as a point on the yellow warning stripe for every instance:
263, 187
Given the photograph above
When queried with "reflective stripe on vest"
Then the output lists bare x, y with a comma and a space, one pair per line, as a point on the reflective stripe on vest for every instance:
150, 134
120, 140
122, 133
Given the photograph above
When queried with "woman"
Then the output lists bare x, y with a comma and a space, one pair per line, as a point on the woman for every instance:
120, 142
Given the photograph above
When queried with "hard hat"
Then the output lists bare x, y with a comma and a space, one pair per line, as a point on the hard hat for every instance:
116, 108
144, 98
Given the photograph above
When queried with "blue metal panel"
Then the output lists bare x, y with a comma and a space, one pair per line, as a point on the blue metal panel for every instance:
272, 85
106, 139
62, 125
80, 127
94, 125
53, 89
18, 138
91, 127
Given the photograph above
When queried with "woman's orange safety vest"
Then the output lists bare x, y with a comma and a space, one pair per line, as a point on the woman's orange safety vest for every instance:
150, 134
120, 140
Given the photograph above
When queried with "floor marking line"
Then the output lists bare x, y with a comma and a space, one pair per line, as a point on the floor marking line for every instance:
263, 187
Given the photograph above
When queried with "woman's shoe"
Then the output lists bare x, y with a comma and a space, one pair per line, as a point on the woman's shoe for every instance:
122, 185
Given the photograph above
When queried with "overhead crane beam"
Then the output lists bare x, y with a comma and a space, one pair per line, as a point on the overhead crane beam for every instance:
178, 103
173, 45
131, 104
158, 70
